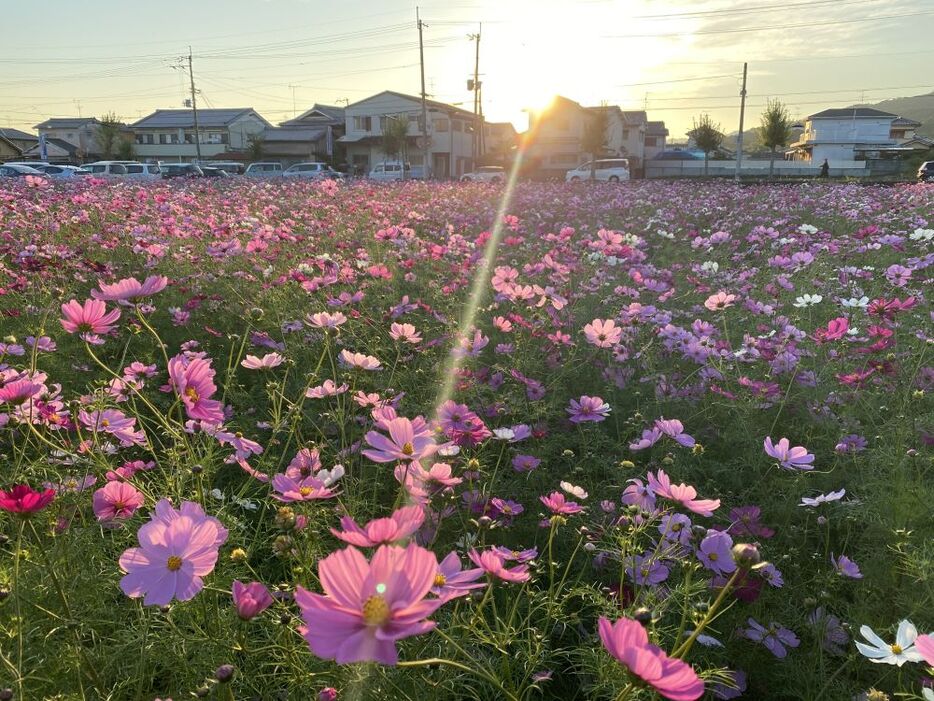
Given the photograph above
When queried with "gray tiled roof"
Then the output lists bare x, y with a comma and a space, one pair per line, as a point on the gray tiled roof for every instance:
293, 133
850, 113
17, 135
655, 129
67, 122
183, 119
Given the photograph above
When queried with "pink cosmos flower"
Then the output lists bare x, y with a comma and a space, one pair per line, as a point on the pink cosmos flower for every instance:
367, 607
558, 504
193, 381
244, 447
493, 563
404, 332
403, 443
88, 320
251, 599
165, 513
719, 301
588, 409
628, 642
358, 360
290, 489
116, 501
381, 531
18, 391
115, 423
603, 334
797, 458
267, 362
130, 288
924, 644
328, 388
682, 493
23, 499
171, 560
452, 582
324, 320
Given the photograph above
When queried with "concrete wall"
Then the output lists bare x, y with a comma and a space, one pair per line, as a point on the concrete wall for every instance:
672, 169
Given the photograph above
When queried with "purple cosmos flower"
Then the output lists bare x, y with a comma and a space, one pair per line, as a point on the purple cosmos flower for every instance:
525, 463
451, 581
851, 443
675, 528
588, 409
845, 567
775, 637
639, 494
833, 635
646, 570
797, 458
734, 690
714, 552
745, 522
771, 574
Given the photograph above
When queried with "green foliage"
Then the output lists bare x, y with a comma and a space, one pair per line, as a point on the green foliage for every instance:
707, 136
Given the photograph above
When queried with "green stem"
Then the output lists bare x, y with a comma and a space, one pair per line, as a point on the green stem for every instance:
685, 648
464, 668
19, 612
626, 692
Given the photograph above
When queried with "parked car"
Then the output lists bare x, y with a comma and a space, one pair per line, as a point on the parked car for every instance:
393, 171
229, 167
106, 167
312, 170
610, 170
485, 174
926, 171
143, 170
63, 171
38, 165
678, 155
15, 170
264, 169
212, 172
181, 170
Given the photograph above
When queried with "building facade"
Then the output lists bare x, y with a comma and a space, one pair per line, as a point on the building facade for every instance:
452, 134
169, 135
852, 133
81, 132
311, 136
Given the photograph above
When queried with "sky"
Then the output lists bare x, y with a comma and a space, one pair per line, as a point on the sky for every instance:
675, 58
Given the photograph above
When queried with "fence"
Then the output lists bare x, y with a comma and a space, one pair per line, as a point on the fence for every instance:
753, 169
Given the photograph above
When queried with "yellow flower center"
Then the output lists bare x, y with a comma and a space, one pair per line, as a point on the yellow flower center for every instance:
192, 394
713, 557
440, 580
305, 491
105, 423
174, 563
897, 649
408, 448
376, 611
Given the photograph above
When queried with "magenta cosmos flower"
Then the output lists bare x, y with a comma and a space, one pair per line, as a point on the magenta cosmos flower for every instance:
602, 334
628, 642
130, 288
797, 458
403, 523
116, 501
403, 442
23, 499
558, 504
171, 560
588, 409
368, 606
682, 493
493, 563
89, 319
251, 599
193, 381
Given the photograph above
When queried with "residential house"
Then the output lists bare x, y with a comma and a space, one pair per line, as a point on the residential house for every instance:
311, 136
58, 151
9, 151
81, 132
169, 135
553, 140
904, 131
656, 136
451, 134
847, 134
500, 140
20, 140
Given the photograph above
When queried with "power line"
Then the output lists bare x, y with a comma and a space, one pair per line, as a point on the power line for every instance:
762, 8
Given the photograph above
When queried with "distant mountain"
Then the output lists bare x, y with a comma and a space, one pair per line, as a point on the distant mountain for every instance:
919, 108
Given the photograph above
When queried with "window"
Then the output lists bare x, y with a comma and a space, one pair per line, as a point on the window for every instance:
216, 137
362, 123
416, 159
150, 138
52, 170
139, 139
134, 169
154, 170
441, 125
651, 141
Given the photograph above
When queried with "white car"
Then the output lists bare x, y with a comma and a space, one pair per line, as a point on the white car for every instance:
393, 171
264, 169
485, 174
106, 167
312, 170
611, 170
143, 170
63, 171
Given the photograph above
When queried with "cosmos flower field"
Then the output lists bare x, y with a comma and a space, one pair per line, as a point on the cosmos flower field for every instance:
270, 440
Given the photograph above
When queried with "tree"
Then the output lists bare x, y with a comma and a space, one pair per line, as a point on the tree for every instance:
595, 137
109, 135
775, 130
255, 147
125, 150
395, 134
707, 136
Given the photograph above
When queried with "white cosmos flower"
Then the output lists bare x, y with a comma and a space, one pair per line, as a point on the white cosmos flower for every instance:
900, 652
808, 300
922, 235
504, 434
853, 302
710, 266
807, 229
574, 490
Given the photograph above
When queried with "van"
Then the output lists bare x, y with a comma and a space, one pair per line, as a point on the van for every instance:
393, 171
107, 167
264, 169
143, 170
610, 170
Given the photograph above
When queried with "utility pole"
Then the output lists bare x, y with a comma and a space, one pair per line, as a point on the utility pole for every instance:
194, 107
426, 168
478, 124
742, 114
294, 111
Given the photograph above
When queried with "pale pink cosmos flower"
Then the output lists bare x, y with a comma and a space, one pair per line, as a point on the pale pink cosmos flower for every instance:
559, 505
924, 645
404, 332
588, 409
267, 362
193, 381
244, 447
367, 607
628, 642
116, 501
358, 360
797, 458
289, 489
493, 563
88, 320
403, 443
684, 494
325, 320
719, 301
382, 531
114, 423
328, 388
603, 334
165, 513
130, 288
18, 391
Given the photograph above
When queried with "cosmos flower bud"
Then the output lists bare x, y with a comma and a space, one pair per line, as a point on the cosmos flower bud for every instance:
698, 449
327, 694
643, 615
746, 554
590, 547
668, 460
196, 469
238, 555
698, 531
6, 694
627, 464
285, 518
810, 601
224, 673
